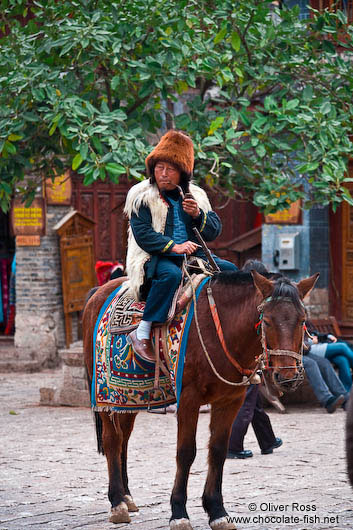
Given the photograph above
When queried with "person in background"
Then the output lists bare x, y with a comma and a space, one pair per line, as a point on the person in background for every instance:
252, 410
337, 352
324, 381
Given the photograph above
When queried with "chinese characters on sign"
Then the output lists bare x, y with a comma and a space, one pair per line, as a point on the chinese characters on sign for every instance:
58, 191
28, 221
292, 216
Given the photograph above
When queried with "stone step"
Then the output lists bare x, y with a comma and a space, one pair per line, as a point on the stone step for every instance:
9, 365
12, 360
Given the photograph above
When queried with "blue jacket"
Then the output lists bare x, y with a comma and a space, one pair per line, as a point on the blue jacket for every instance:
157, 244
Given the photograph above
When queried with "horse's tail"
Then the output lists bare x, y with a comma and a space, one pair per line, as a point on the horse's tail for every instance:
98, 422
99, 431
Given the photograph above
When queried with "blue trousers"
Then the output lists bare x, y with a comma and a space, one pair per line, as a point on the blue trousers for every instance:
340, 354
322, 378
165, 282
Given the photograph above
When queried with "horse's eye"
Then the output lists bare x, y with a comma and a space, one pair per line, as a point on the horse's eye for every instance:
267, 323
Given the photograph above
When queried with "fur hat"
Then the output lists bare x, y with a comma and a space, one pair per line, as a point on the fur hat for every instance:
174, 147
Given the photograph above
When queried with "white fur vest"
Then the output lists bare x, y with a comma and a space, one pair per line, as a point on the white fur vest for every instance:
146, 194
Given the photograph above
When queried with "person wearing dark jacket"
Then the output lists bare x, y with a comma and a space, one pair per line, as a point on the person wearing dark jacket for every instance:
160, 233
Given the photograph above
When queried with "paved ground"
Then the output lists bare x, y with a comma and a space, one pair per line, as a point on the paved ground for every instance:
52, 478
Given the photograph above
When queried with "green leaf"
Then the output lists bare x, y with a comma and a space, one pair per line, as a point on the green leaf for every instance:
325, 107
220, 35
216, 124
14, 137
232, 150
115, 169
115, 82
5, 186
261, 151
347, 196
10, 148
52, 129
77, 161
308, 93
84, 150
292, 104
97, 144
235, 41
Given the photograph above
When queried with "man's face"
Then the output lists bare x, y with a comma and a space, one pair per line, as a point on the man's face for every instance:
167, 176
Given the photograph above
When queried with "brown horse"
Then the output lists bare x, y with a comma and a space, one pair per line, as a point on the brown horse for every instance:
237, 297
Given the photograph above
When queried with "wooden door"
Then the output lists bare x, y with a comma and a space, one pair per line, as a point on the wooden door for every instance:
104, 203
347, 263
341, 265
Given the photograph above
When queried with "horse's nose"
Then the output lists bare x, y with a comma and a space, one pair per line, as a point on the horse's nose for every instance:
287, 382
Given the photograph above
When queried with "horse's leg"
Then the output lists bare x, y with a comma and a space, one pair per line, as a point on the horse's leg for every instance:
112, 437
188, 413
222, 417
127, 424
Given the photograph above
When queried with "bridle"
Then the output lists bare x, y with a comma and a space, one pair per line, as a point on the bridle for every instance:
289, 353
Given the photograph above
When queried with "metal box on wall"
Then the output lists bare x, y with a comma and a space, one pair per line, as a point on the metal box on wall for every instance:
289, 252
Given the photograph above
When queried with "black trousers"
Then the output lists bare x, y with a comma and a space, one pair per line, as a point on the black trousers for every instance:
252, 412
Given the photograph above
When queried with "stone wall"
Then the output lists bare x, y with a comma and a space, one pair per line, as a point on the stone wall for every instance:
39, 306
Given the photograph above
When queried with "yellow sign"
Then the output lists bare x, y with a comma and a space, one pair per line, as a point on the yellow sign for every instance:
28, 221
286, 217
58, 191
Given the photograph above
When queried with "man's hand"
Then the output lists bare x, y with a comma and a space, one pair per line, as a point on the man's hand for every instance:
184, 248
191, 207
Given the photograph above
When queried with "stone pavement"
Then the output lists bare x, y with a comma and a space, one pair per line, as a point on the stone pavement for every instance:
51, 476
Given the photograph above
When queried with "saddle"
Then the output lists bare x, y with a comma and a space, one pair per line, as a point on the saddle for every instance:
127, 312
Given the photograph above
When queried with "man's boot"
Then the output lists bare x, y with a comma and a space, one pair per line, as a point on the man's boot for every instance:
142, 347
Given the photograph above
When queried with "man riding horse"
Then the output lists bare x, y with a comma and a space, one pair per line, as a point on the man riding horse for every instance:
161, 231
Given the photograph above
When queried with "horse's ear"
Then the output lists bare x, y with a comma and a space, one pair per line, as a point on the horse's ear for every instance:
305, 286
262, 284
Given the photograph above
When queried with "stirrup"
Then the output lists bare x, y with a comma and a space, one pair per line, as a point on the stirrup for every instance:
157, 411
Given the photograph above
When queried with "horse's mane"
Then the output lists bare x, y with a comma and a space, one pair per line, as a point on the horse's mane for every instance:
283, 287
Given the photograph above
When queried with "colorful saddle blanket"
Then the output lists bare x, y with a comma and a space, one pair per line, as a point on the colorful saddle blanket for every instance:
122, 380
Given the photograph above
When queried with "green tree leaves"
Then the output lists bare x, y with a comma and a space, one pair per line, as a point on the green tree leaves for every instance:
264, 95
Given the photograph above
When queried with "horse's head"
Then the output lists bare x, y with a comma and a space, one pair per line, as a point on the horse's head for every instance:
283, 318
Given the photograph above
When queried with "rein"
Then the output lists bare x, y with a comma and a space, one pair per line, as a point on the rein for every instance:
249, 376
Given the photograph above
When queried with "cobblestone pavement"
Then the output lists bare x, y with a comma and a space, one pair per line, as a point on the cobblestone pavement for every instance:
51, 476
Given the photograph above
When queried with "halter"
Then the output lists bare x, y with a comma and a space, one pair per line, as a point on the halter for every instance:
290, 353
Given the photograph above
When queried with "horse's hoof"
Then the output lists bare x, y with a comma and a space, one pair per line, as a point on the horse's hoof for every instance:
222, 523
119, 514
131, 506
180, 524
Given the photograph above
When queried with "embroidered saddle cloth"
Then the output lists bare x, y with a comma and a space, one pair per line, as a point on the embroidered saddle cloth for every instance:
122, 380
